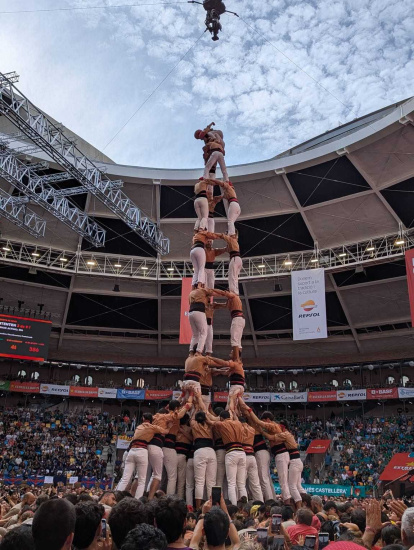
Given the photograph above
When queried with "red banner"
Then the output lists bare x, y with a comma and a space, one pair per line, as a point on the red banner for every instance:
185, 329
158, 395
409, 264
399, 464
383, 393
318, 446
83, 391
26, 387
320, 396
220, 397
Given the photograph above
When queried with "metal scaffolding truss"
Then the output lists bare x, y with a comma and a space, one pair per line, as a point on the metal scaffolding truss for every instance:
37, 188
16, 212
36, 126
352, 256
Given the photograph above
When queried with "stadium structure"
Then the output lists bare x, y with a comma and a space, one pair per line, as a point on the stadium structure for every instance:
103, 255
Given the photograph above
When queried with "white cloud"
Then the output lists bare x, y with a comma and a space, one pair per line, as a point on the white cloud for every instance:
92, 69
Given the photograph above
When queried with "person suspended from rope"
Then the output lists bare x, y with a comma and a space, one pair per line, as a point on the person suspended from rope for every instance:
214, 9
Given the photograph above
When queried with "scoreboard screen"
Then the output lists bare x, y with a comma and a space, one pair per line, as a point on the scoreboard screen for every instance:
24, 338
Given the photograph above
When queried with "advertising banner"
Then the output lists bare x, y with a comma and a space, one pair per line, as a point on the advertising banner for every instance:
321, 396
405, 393
409, 264
351, 395
158, 395
256, 397
318, 446
332, 490
308, 304
131, 394
220, 397
107, 393
297, 397
399, 464
54, 389
26, 387
185, 329
85, 391
123, 441
382, 393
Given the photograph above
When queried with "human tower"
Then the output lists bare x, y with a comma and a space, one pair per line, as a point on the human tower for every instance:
187, 448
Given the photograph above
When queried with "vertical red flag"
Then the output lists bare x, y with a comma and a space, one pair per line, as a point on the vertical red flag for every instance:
185, 329
409, 264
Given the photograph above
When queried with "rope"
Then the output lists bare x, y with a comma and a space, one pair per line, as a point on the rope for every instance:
93, 7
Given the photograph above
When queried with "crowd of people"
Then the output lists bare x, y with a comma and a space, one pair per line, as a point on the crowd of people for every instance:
79, 519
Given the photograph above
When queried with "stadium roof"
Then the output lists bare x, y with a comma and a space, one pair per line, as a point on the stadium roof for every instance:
354, 184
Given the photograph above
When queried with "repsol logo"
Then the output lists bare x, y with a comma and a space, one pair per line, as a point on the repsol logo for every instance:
305, 315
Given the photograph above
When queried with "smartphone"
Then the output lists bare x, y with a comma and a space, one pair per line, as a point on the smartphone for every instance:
323, 540
261, 534
103, 528
276, 522
310, 541
215, 495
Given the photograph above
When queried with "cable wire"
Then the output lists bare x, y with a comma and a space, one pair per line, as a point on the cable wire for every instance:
155, 89
80, 8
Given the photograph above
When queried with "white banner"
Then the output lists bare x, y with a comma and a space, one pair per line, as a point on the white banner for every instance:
256, 397
54, 389
107, 393
123, 442
404, 393
297, 397
48, 479
73, 480
308, 304
351, 395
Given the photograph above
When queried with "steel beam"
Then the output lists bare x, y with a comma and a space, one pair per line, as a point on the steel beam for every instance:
16, 212
34, 186
46, 135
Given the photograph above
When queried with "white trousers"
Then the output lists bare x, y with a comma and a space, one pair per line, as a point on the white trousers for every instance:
236, 331
209, 339
190, 386
236, 475
170, 465
198, 324
252, 478
189, 483
221, 471
210, 278
282, 465
198, 259
235, 266
211, 225
295, 478
206, 400
137, 459
216, 157
205, 471
233, 213
201, 209
263, 467
181, 474
156, 460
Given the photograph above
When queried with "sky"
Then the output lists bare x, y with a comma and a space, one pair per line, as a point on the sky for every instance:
282, 73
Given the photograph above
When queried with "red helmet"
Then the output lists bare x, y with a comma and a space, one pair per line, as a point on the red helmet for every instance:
198, 134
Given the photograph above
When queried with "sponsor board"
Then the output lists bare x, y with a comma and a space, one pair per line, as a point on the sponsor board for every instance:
351, 395
54, 389
256, 397
297, 397
158, 395
405, 393
138, 395
107, 393
308, 304
399, 464
26, 387
331, 490
220, 397
321, 396
83, 391
318, 446
123, 441
382, 393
